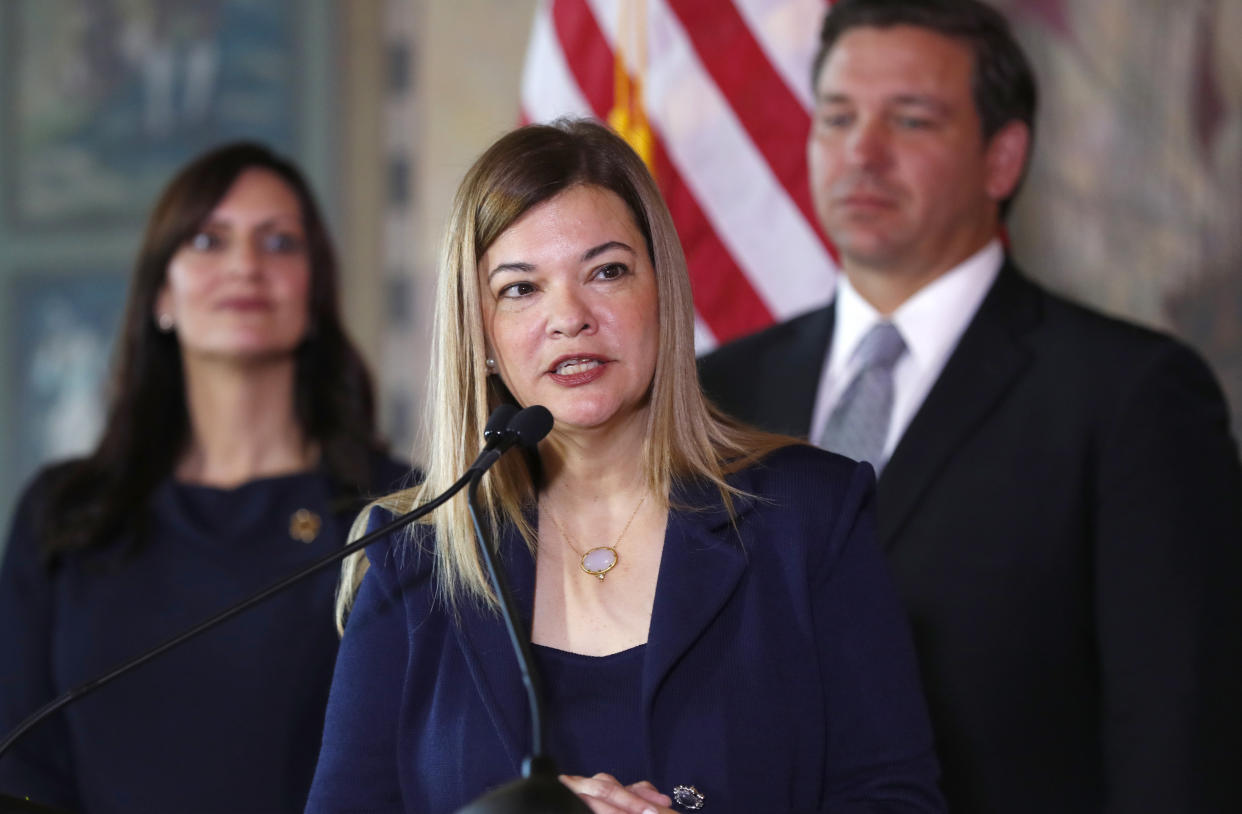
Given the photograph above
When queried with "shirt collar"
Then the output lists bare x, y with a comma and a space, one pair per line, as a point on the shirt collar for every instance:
931, 321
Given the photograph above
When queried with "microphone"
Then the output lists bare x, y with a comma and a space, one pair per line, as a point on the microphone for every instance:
506, 425
527, 426
497, 428
531, 425
537, 791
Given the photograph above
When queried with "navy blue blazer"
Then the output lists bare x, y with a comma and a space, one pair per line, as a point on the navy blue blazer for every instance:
169, 736
778, 673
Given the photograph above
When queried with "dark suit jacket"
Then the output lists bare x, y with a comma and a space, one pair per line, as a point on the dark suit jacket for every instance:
777, 676
1063, 518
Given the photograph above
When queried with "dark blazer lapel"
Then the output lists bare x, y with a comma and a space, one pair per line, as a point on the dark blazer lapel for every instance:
700, 567
484, 643
795, 375
987, 361
770, 378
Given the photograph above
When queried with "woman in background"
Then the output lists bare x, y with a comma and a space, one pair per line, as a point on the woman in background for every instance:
239, 441
707, 603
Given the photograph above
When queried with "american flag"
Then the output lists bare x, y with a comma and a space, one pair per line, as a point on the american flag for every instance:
716, 97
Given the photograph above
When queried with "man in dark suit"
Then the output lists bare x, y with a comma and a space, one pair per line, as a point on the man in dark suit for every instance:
1059, 498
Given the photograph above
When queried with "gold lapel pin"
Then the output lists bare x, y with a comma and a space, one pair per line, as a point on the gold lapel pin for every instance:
304, 525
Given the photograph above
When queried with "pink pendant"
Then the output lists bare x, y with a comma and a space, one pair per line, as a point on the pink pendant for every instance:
599, 561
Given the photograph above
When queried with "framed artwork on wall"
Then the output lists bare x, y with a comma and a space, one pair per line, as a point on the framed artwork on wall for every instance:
107, 97
101, 101
60, 339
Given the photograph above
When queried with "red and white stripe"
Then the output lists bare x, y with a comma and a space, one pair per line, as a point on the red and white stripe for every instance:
727, 94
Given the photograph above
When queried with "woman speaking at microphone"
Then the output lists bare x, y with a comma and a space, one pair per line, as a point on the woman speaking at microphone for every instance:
707, 604
239, 441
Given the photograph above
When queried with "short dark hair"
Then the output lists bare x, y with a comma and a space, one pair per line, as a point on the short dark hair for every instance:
1002, 84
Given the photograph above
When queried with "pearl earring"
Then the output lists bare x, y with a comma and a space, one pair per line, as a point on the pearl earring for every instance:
165, 321
491, 364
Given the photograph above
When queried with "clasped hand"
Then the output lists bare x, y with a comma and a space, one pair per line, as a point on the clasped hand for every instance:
604, 794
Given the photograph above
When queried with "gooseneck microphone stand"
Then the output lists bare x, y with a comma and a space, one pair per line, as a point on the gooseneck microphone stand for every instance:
538, 791
499, 434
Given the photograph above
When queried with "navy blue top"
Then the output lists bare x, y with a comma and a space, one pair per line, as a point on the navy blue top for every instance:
592, 705
778, 674
229, 721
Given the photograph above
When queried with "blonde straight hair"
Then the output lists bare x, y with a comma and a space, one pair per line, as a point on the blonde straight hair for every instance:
686, 436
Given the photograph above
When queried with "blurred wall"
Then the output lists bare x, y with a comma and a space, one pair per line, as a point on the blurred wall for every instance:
1134, 200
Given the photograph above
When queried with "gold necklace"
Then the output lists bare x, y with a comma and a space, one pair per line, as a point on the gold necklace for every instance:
601, 559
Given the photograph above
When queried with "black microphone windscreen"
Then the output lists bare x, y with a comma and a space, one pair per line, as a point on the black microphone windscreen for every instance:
498, 423
531, 425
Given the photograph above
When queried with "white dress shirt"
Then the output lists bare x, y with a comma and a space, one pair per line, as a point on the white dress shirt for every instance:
931, 322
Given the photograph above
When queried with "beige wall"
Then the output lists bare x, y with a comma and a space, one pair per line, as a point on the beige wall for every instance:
360, 228
469, 69
465, 69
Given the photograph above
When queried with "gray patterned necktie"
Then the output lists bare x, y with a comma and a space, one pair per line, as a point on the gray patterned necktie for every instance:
859, 421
